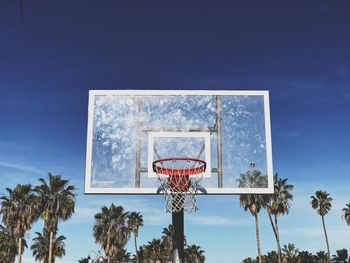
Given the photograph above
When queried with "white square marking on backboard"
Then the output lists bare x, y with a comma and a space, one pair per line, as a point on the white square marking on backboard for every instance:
205, 135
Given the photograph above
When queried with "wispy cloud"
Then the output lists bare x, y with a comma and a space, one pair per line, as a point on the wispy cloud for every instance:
303, 231
9, 98
12, 145
346, 96
22, 167
343, 71
152, 212
83, 213
216, 220
292, 134
307, 85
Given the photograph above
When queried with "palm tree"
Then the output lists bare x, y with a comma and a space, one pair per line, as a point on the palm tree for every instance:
248, 260
194, 254
84, 260
154, 250
271, 257
167, 240
279, 204
290, 253
141, 255
8, 246
56, 200
306, 257
253, 202
110, 229
121, 256
342, 256
322, 203
346, 215
135, 221
19, 212
321, 257
40, 247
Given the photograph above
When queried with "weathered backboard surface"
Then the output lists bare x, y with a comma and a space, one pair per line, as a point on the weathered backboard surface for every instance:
129, 129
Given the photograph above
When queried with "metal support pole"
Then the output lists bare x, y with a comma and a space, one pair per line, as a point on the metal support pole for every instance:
219, 141
138, 143
179, 238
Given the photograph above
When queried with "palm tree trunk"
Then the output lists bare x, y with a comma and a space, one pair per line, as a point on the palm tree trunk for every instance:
257, 236
108, 248
325, 234
50, 247
19, 252
277, 237
278, 240
137, 256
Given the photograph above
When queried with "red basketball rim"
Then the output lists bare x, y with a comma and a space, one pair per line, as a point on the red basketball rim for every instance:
176, 171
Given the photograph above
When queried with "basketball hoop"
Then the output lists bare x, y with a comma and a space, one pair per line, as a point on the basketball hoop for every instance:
180, 179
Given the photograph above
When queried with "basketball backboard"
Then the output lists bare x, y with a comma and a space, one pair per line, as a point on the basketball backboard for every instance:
129, 129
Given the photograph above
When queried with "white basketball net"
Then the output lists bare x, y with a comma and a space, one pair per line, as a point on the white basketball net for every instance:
179, 179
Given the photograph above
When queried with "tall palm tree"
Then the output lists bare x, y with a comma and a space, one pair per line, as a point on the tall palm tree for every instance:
56, 200
141, 255
19, 212
346, 215
110, 229
194, 254
167, 240
40, 247
8, 246
279, 204
253, 202
154, 250
322, 203
135, 221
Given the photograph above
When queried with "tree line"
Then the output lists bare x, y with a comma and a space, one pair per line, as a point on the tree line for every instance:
291, 254
53, 201
113, 228
279, 204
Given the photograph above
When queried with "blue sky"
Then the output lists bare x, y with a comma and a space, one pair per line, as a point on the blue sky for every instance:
300, 52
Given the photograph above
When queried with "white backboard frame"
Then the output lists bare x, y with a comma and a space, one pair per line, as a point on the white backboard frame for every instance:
214, 191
